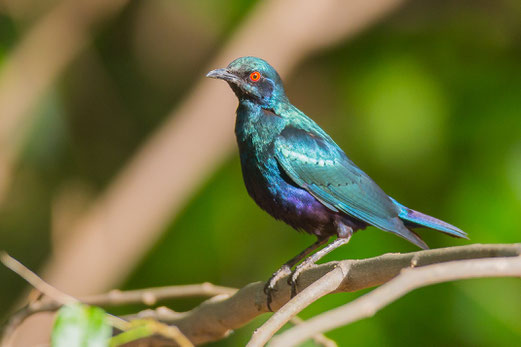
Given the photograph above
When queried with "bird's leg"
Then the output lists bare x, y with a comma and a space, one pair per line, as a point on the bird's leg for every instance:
286, 268
343, 237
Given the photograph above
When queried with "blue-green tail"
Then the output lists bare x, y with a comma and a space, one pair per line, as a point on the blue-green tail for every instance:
414, 219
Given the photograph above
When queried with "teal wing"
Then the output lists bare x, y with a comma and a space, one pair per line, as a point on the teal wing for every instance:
315, 163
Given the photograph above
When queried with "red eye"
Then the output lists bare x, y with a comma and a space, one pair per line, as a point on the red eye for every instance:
255, 76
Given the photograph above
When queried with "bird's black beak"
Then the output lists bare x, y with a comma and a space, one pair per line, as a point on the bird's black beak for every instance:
223, 74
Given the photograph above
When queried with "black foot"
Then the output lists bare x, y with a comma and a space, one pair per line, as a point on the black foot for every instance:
269, 288
311, 260
292, 280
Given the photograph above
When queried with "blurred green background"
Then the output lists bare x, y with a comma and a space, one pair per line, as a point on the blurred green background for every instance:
427, 102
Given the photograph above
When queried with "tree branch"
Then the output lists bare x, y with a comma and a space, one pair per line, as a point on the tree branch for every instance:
215, 318
408, 280
230, 309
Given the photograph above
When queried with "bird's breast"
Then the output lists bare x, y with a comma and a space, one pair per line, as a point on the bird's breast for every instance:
274, 192
265, 180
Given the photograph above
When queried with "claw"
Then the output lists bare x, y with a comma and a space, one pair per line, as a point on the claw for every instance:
292, 280
269, 288
269, 299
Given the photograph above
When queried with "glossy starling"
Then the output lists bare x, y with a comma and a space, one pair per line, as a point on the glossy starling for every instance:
298, 174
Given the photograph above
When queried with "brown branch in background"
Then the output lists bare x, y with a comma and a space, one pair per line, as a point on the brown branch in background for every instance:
408, 280
32, 67
215, 318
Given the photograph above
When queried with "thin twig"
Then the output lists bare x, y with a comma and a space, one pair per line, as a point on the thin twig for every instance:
150, 296
149, 329
49, 290
171, 332
410, 279
33, 279
320, 339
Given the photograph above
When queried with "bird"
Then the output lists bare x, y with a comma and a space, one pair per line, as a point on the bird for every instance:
295, 172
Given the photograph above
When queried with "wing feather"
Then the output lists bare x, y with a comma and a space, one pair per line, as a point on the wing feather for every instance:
315, 163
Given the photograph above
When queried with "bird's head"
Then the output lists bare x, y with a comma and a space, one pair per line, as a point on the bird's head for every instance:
253, 79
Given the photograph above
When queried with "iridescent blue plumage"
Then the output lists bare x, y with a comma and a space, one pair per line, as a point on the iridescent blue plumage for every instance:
298, 174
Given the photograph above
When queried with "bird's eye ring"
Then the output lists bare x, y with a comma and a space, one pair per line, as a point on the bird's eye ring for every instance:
255, 76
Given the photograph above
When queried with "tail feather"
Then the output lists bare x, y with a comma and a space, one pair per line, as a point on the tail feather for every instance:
401, 230
417, 219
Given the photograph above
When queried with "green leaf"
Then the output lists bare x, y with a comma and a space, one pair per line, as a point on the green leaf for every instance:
79, 325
